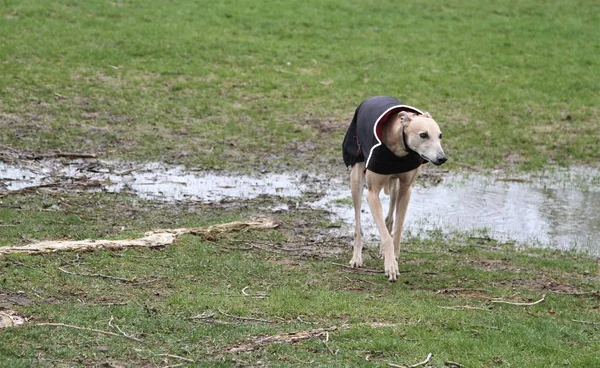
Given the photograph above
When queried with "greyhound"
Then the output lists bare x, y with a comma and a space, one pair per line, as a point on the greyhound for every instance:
386, 144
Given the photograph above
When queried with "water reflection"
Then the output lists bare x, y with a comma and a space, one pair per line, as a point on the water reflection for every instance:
558, 209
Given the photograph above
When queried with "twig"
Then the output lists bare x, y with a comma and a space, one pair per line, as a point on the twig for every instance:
204, 315
111, 325
132, 256
98, 275
586, 322
257, 296
31, 188
449, 363
361, 280
65, 184
178, 357
8, 148
514, 180
244, 318
593, 292
421, 363
520, 304
366, 270
88, 329
458, 290
414, 365
461, 307
18, 263
284, 337
34, 156
325, 342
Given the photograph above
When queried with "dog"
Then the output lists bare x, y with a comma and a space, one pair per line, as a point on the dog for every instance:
386, 145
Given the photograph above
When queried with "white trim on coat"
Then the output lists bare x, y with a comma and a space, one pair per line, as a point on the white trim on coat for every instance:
377, 122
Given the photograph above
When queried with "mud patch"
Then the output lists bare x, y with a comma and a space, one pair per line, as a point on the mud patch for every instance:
10, 300
11, 318
493, 265
545, 284
549, 209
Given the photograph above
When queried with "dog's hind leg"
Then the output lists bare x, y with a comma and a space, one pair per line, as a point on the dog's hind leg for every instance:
405, 183
356, 187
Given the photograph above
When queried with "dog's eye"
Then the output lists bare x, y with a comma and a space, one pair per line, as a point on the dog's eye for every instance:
424, 135
440, 135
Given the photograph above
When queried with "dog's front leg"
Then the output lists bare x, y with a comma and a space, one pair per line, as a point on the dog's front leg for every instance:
356, 187
406, 181
375, 183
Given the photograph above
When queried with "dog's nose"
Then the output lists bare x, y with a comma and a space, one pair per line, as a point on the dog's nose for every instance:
442, 159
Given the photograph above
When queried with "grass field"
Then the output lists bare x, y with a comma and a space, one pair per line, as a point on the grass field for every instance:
513, 83
252, 86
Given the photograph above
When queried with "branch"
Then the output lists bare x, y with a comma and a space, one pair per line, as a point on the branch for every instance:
111, 325
178, 357
521, 304
88, 329
204, 315
364, 270
414, 365
244, 318
461, 307
257, 296
586, 322
97, 275
151, 239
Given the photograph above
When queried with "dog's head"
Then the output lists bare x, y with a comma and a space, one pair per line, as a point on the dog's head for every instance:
423, 135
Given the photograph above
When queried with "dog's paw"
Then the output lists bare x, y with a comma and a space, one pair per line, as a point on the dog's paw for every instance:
391, 268
356, 262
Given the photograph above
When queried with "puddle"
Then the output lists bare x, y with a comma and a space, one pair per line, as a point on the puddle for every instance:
558, 209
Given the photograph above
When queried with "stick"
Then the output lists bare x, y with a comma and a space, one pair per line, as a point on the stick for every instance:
450, 363
586, 322
204, 315
458, 290
365, 281
460, 307
257, 296
88, 329
97, 275
244, 318
61, 154
325, 342
151, 239
515, 180
520, 304
110, 324
594, 292
414, 365
356, 269
177, 357
76, 184
421, 363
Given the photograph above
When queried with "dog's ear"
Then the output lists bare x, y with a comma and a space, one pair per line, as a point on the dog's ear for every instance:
427, 115
405, 117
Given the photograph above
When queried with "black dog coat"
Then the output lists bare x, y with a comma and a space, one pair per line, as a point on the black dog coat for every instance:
363, 138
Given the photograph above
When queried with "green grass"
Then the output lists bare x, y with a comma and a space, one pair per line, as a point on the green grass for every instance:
228, 84
389, 322
247, 86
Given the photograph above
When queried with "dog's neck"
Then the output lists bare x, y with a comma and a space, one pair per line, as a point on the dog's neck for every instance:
393, 136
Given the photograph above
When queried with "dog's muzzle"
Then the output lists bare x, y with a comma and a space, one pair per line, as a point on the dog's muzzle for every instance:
440, 160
